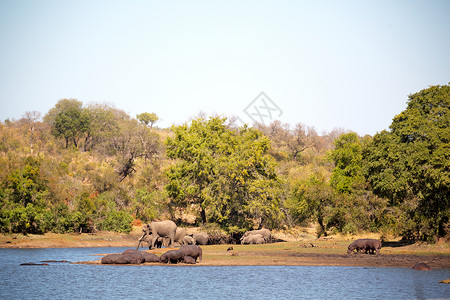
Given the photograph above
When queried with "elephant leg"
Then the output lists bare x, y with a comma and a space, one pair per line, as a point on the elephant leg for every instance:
154, 238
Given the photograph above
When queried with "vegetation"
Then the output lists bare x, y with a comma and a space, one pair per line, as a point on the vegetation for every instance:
86, 168
227, 173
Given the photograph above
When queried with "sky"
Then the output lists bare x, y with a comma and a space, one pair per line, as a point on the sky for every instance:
326, 64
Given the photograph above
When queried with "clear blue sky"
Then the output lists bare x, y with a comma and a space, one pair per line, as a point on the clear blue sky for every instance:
327, 64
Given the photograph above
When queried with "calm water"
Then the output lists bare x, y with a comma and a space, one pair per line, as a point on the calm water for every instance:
69, 281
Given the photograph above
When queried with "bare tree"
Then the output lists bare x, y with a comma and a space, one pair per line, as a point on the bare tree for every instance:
30, 118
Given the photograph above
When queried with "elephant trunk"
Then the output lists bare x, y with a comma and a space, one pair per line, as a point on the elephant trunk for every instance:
140, 239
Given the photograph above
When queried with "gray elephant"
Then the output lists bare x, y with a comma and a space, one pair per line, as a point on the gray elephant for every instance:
264, 232
172, 256
188, 240
159, 229
180, 234
201, 238
254, 239
160, 242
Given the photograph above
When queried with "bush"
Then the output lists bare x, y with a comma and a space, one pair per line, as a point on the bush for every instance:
117, 221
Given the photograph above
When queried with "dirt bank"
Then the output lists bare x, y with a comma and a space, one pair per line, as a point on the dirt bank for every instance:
262, 258
305, 251
72, 240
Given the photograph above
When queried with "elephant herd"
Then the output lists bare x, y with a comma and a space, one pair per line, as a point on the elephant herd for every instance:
166, 233
187, 254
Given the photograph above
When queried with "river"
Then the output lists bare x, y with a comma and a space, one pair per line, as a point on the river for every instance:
74, 281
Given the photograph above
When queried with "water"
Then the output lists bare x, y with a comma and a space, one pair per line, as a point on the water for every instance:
71, 281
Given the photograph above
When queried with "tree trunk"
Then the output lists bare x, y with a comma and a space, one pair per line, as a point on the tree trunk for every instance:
203, 215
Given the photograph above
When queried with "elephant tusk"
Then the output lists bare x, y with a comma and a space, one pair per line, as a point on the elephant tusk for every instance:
137, 248
140, 239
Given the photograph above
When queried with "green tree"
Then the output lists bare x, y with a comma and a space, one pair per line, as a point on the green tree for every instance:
69, 120
312, 199
104, 124
227, 174
23, 200
147, 118
411, 162
347, 158
24, 186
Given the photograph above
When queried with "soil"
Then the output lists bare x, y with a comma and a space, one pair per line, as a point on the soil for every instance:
303, 250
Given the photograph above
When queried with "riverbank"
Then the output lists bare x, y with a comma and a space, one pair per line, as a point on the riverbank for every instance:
303, 250
295, 254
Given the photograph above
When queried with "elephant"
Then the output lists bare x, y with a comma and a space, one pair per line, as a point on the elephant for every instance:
115, 259
189, 260
193, 251
172, 256
254, 239
188, 240
160, 242
180, 234
264, 232
421, 267
201, 238
159, 229
366, 245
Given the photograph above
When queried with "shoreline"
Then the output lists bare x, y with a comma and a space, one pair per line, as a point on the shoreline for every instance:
395, 261
330, 251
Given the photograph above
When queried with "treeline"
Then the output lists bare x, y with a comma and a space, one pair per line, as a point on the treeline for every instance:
87, 168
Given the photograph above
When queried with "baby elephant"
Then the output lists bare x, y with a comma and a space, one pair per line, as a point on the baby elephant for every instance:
188, 240
254, 239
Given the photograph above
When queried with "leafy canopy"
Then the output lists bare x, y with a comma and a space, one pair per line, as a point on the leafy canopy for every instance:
226, 173
411, 162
